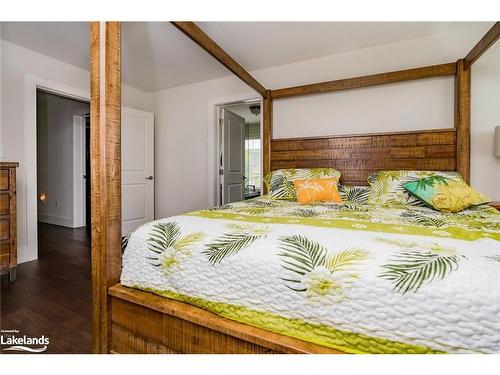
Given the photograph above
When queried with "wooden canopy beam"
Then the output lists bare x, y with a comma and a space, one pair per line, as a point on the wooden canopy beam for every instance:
105, 159
198, 36
364, 81
482, 46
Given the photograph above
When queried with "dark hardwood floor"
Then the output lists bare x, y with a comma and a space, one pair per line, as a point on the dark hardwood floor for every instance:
52, 295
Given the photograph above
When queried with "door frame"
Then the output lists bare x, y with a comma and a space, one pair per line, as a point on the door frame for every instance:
31, 85
213, 139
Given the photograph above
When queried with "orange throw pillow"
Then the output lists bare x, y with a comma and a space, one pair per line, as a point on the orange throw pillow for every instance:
318, 190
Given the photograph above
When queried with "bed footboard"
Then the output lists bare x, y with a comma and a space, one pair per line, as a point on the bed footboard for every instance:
143, 322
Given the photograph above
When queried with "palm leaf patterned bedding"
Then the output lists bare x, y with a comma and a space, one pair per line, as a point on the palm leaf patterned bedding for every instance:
355, 277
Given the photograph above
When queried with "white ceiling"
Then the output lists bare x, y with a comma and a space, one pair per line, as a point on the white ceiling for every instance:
155, 55
64, 41
243, 110
265, 44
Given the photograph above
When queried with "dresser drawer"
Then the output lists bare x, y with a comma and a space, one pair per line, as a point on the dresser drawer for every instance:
8, 235
4, 255
4, 229
4, 203
4, 179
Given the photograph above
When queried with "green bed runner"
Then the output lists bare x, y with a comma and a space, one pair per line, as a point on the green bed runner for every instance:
450, 232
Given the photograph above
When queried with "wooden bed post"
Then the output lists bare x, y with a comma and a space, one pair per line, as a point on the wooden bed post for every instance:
105, 154
267, 116
462, 118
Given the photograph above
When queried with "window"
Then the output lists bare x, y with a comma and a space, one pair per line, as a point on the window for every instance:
252, 162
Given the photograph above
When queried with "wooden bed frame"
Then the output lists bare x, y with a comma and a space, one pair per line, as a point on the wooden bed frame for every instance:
131, 321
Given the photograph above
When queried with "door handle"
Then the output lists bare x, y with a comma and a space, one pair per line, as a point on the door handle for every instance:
149, 178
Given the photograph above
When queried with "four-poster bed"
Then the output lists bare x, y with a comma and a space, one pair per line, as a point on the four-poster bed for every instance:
130, 320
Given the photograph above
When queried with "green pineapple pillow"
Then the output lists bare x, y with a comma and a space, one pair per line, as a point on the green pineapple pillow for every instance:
445, 194
387, 186
280, 183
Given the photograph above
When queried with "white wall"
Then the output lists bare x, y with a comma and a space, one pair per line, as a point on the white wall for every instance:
411, 105
181, 143
485, 107
17, 65
183, 124
423, 104
55, 153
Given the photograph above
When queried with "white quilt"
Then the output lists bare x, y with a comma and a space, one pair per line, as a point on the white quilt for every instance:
351, 278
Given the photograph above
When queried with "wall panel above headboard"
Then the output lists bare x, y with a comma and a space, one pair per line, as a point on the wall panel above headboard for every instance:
357, 156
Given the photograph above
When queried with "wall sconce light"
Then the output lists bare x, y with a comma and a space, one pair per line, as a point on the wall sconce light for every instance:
496, 147
43, 198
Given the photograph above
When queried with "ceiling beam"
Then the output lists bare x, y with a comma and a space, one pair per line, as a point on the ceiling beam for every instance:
198, 36
482, 46
371, 80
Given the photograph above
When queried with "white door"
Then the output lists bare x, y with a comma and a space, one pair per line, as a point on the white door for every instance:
233, 160
137, 168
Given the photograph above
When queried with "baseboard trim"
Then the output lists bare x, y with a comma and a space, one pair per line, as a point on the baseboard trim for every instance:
24, 255
64, 221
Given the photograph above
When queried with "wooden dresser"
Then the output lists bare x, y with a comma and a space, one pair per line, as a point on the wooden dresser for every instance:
8, 238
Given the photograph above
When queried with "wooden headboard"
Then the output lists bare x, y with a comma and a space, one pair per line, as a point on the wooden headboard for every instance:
357, 156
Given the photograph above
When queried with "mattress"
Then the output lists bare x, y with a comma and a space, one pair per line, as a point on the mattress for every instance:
354, 277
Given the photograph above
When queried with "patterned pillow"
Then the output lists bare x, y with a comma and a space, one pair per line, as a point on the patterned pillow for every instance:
280, 182
445, 194
387, 186
318, 190
354, 194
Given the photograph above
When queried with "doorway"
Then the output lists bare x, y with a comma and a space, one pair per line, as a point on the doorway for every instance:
239, 151
63, 149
